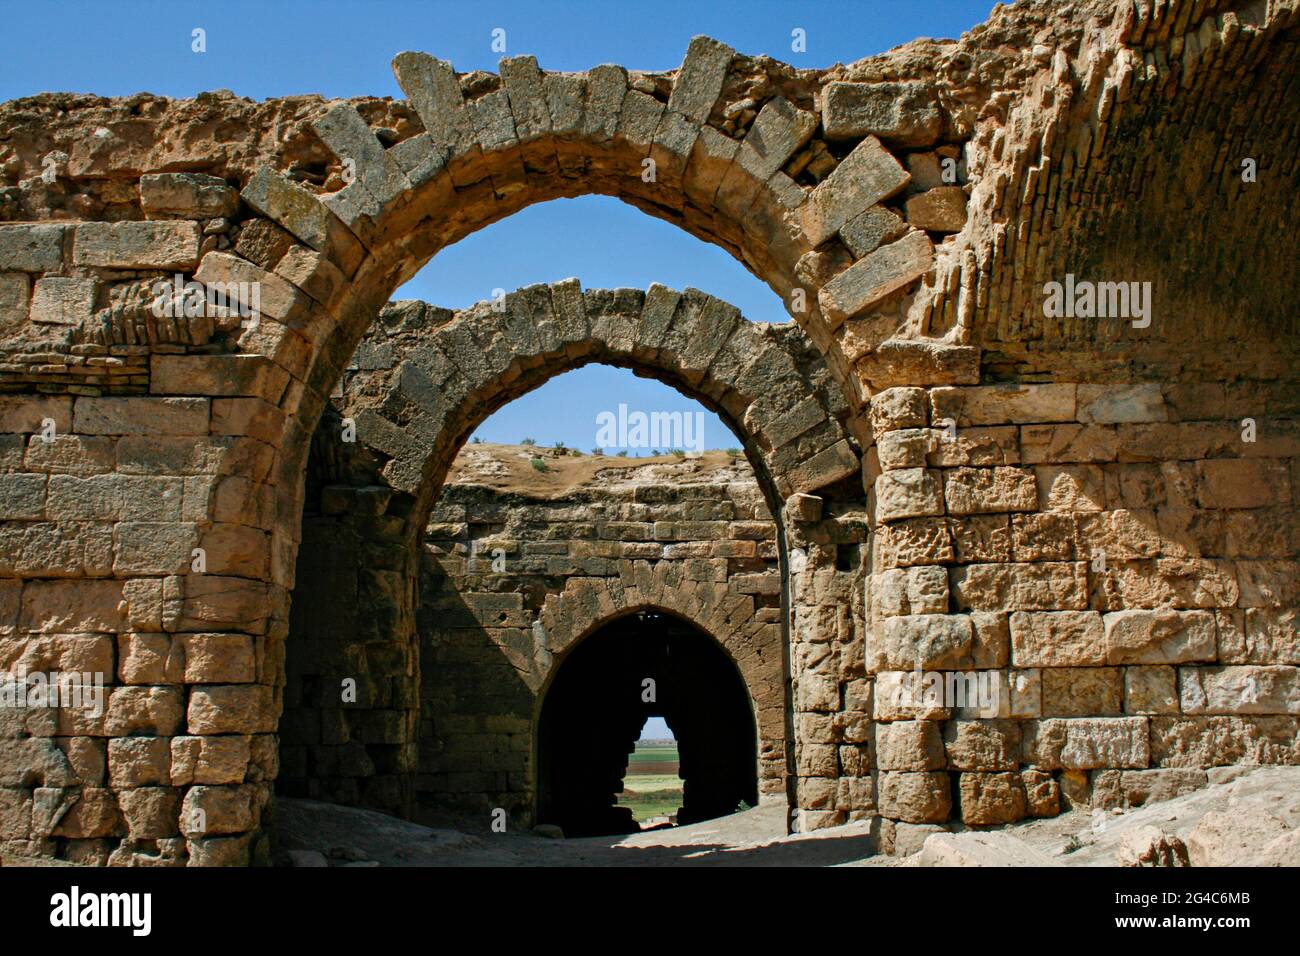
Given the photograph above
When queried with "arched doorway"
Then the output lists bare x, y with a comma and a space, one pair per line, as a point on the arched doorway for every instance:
643, 665
446, 372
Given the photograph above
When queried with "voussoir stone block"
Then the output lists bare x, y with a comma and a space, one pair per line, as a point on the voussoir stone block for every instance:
698, 83
942, 209
882, 272
866, 176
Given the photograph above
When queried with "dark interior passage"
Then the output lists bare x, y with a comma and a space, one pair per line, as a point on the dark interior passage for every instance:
597, 704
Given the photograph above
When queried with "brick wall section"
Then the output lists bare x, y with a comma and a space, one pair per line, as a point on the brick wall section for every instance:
1117, 556
487, 654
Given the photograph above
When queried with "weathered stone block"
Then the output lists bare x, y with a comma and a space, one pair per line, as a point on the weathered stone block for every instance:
150, 812
1087, 743
699, 81
914, 541
141, 416
865, 177
935, 641
1044, 586
1057, 639
233, 709
908, 493
22, 497
1122, 403
989, 490
15, 299
942, 209
209, 760
1240, 689
904, 113
1082, 691
1003, 404
1042, 794
917, 590
909, 745
1068, 443
871, 279
779, 130
1150, 690
1243, 483
1159, 637
31, 247
871, 229
915, 797
186, 196
899, 407
988, 446
982, 744
59, 300
138, 761
1135, 788
144, 710
1196, 741
137, 245
216, 810
1071, 487
990, 799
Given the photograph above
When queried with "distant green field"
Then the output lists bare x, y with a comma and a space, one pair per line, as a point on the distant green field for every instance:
644, 782
651, 787
655, 753
657, 803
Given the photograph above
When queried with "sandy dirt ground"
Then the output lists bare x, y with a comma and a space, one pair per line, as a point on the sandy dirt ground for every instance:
1252, 818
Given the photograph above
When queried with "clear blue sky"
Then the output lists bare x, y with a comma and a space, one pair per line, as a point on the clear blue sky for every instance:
656, 728
338, 49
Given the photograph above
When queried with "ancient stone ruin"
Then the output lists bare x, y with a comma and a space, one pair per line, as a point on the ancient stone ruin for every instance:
1020, 529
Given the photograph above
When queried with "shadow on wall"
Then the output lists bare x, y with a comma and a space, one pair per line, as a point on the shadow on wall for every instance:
476, 707
640, 666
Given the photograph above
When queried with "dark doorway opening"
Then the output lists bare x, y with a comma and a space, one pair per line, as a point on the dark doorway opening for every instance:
640, 666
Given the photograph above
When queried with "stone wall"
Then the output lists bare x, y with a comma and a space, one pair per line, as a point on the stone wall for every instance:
1122, 559
701, 524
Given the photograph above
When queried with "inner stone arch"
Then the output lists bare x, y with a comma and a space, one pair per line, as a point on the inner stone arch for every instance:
419, 385
646, 664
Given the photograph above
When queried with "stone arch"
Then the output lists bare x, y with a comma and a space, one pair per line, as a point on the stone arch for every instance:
494, 144
771, 387
710, 700
426, 377
726, 615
